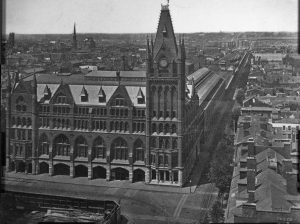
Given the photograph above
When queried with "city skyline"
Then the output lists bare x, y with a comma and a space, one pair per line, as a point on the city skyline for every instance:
103, 16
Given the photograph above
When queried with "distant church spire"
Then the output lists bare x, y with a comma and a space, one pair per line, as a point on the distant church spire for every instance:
74, 37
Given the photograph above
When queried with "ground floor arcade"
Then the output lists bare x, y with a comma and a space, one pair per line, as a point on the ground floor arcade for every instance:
102, 171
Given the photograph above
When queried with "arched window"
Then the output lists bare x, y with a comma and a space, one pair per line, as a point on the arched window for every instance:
160, 128
28, 121
61, 146
126, 126
111, 125
43, 145
18, 121
81, 147
138, 151
23, 121
167, 128
153, 127
13, 121
153, 142
119, 149
174, 128
99, 150
174, 144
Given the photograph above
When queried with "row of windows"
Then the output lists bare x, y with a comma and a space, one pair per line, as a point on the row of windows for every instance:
119, 126
289, 128
81, 110
164, 114
119, 150
61, 110
138, 127
21, 121
101, 111
21, 134
119, 112
44, 122
99, 125
164, 143
160, 128
45, 109
23, 149
80, 124
61, 123
138, 113
163, 159
21, 108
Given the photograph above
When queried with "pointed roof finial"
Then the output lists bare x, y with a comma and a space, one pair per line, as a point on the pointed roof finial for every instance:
165, 6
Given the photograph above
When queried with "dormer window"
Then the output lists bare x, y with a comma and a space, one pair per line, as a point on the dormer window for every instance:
102, 96
84, 95
47, 93
165, 33
140, 97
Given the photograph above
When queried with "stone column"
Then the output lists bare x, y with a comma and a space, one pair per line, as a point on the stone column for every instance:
131, 174
90, 167
148, 175
51, 168
90, 171
180, 181
157, 176
108, 172
72, 171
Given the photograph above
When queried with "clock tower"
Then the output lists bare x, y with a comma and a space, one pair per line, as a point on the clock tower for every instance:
165, 104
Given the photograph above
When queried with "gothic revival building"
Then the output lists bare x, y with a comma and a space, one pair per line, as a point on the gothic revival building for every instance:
135, 125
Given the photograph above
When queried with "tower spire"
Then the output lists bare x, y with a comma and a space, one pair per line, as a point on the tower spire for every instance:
74, 37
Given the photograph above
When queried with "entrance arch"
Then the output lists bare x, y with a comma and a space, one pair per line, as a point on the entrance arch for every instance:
138, 175
61, 169
153, 174
119, 174
44, 168
12, 166
29, 168
81, 171
99, 172
20, 166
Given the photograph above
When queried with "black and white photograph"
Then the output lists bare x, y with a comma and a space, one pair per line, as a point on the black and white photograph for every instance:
150, 111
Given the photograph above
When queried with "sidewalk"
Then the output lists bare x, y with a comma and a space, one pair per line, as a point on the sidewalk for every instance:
101, 183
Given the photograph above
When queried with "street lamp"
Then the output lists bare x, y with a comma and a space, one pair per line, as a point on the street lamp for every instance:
190, 185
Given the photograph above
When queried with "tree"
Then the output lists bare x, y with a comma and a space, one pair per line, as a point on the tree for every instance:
220, 171
240, 96
217, 212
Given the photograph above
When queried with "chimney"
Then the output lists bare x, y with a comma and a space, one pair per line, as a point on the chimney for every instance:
251, 148
291, 182
287, 166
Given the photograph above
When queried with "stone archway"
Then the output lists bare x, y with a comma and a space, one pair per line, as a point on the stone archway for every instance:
44, 167
138, 175
12, 166
29, 167
99, 172
61, 169
81, 171
21, 166
119, 174
153, 174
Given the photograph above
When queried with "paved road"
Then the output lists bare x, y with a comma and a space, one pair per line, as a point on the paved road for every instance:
138, 205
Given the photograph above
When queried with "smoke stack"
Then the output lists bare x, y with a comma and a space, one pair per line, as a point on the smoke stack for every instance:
287, 166
291, 182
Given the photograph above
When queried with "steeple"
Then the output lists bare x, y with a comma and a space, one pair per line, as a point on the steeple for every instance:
165, 37
74, 37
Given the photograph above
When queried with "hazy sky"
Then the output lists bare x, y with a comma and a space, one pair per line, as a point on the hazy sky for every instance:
141, 16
